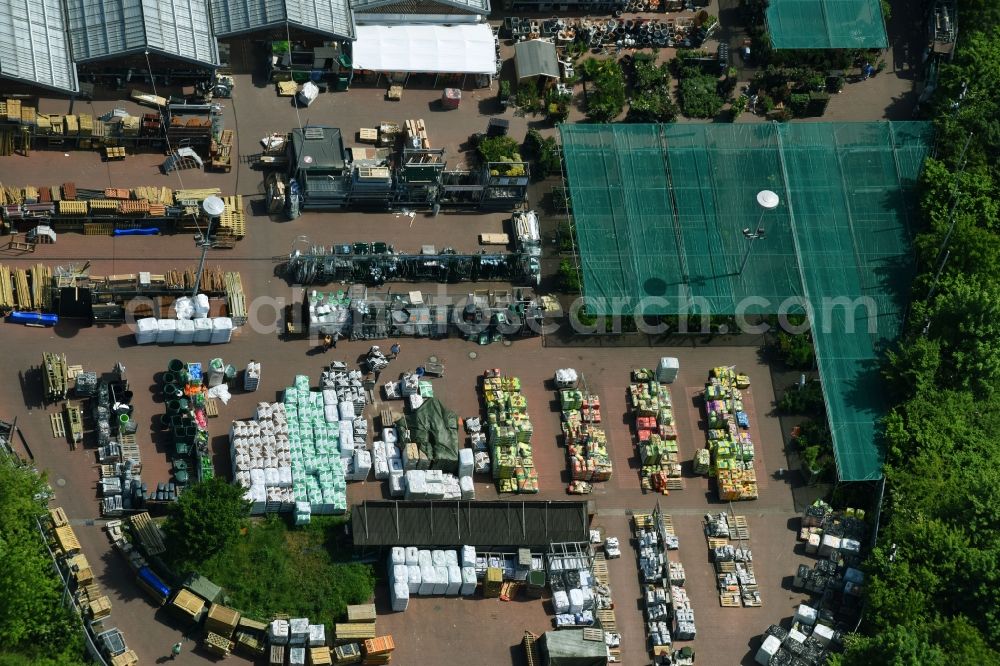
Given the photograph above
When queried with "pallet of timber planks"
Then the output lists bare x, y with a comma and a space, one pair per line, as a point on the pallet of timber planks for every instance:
13, 110
41, 279
98, 228
114, 153
103, 205
739, 530
234, 216
69, 191
22, 293
6, 290
57, 424
235, 298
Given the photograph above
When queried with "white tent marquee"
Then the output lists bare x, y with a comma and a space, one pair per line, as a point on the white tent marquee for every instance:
430, 49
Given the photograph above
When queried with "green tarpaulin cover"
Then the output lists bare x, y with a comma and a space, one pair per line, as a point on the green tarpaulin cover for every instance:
434, 429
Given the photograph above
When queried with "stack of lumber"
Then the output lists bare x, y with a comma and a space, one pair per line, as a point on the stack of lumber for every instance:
417, 129
155, 195
235, 299
233, 219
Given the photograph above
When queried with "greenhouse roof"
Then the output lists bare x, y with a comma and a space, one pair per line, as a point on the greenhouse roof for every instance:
661, 211
826, 24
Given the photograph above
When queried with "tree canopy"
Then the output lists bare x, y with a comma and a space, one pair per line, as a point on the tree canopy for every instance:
203, 521
932, 579
35, 627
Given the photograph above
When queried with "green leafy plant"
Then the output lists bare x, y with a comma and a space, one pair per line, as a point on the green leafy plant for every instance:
606, 92
203, 521
545, 153
569, 278
699, 94
796, 350
504, 94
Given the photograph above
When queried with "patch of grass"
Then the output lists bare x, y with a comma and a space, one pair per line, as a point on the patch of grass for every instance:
303, 571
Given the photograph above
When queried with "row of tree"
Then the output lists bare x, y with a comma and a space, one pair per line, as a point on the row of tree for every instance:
934, 575
35, 627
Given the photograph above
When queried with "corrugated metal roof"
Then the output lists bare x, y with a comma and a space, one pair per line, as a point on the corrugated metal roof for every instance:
331, 18
405, 6
536, 57
328, 16
33, 44
232, 17
499, 524
179, 28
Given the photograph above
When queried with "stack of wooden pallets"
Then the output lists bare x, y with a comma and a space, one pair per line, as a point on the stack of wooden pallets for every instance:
416, 129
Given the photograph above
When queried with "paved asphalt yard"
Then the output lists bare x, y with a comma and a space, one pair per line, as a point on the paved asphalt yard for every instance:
434, 630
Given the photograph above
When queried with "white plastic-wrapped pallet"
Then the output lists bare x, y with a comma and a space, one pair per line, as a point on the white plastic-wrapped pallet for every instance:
166, 328
389, 435
277, 632
201, 306
202, 331
317, 635
397, 555
767, 650
346, 411
575, 600
146, 330
438, 558
806, 615
397, 484
297, 656
440, 579
468, 488
468, 556
392, 451
468, 581
298, 630
395, 465
415, 401
412, 555
362, 464
466, 462
454, 580
330, 397
413, 578
400, 597
330, 414
428, 576
451, 557
183, 307
381, 467
416, 484
184, 335
400, 573
560, 601
222, 330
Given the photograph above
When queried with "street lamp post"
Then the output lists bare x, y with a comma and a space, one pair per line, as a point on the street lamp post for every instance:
767, 200
213, 207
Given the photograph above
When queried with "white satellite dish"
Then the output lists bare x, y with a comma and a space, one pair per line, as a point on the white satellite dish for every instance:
213, 206
767, 199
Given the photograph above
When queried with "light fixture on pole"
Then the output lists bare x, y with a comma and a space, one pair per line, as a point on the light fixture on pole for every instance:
213, 207
767, 200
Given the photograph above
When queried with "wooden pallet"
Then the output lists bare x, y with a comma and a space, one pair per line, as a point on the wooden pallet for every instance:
751, 599
211, 408
592, 634
607, 619
149, 533
98, 229
75, 417
642, 521
58, 425
667, 523
739, 529
673, 483
114, 153
601, 569
724, 567
386, 417
729, 599
717, 542
531, 653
